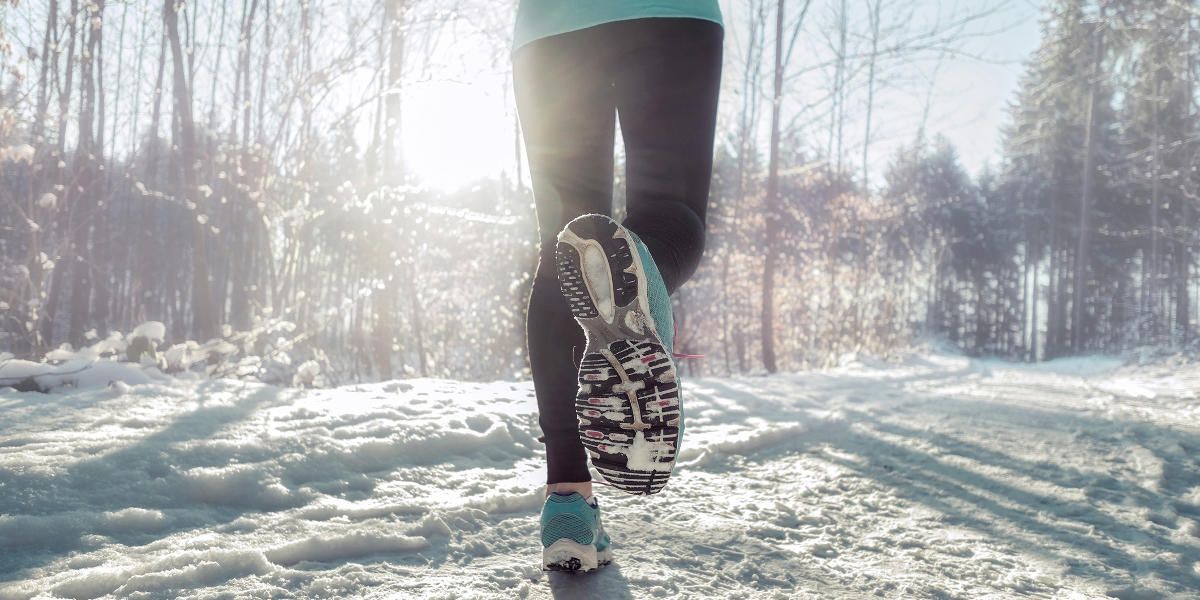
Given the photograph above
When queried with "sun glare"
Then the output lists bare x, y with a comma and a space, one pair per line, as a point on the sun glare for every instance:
457, 132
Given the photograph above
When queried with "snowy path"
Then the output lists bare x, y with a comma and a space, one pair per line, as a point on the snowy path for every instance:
940, 478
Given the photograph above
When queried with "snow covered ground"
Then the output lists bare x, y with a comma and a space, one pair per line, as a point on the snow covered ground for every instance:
937, 478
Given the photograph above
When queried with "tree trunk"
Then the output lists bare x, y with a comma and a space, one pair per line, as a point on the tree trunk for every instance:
875, 17
392, 174
63, 222
204, 322
771, 214
48, 64
263, 76
1152, 279
86, 176
156, 118
1083, 251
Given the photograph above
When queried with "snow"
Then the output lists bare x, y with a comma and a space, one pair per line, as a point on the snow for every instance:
641, 454
326, 548
938, 477
80, 370
153, 330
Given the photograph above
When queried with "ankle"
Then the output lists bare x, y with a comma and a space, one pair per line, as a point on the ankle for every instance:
583, 487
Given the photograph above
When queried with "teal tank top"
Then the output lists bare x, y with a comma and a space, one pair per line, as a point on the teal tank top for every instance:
542, 18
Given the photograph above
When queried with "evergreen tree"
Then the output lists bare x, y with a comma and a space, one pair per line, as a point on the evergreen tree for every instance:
1062, 115
1157, 175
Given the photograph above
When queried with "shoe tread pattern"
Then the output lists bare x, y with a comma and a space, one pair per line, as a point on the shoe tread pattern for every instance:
605, 413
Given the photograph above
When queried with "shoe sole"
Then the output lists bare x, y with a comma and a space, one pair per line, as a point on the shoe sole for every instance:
628, 401
571, 556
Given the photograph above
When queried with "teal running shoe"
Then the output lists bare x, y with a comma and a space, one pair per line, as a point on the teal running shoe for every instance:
628, 404
573, 538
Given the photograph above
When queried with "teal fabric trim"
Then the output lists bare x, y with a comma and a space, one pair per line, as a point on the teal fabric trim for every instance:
602, 539
662, 313
657, 296
570, 516
566, 526
537, 19
679, 439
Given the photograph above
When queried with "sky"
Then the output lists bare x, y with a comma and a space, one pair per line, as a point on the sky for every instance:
974, 96
470, 99
459, 123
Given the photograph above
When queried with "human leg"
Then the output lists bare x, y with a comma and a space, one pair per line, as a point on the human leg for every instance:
564, 98
618, 279
666, 98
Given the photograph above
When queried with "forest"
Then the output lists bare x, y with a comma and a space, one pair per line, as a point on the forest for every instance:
238, 171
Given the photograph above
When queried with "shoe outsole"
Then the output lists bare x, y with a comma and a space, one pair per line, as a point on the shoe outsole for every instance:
568, 556
628, 400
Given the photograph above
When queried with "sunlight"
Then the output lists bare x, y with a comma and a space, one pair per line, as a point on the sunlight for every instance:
283, 314
457, 132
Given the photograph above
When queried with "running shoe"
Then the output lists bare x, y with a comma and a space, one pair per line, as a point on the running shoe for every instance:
628, 404
573, 538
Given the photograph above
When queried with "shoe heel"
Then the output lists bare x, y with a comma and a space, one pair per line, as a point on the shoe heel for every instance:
569, 555
596, 269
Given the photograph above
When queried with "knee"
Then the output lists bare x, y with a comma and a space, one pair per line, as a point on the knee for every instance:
675, 236
690, 250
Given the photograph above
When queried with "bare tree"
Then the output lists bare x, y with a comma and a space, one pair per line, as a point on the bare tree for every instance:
1083, 251
204, 317
772, 209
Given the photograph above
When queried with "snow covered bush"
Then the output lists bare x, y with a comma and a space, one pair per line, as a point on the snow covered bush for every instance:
308, 375
265, 353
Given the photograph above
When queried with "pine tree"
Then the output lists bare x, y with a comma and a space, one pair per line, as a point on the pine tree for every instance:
1047, 152
1157, 176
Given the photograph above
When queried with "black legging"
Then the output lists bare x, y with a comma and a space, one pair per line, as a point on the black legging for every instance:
661, 77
